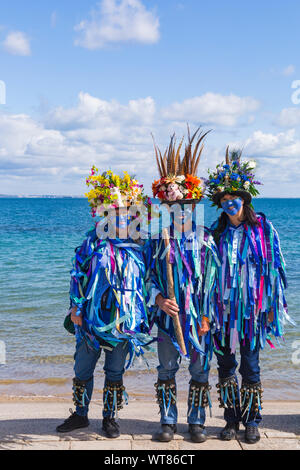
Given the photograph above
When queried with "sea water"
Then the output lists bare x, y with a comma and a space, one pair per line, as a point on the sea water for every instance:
37, 241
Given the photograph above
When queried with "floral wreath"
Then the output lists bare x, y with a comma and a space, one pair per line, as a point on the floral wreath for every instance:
113, 190
173, 188
178, 181
235, 175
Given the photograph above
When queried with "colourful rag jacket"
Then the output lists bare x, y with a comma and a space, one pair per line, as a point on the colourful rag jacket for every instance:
195, 267
253, 280
108, 288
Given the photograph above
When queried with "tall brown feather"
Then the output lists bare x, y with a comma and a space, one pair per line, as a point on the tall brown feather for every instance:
196, 154
197, 161
171, 164
227, 156
177, 158
191, 158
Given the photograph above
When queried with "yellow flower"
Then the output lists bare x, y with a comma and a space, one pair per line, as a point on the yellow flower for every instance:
126, 178
116, 180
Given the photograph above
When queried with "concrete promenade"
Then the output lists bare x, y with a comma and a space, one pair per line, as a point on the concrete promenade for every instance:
29, 424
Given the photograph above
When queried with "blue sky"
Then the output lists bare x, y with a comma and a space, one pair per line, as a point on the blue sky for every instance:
87, 82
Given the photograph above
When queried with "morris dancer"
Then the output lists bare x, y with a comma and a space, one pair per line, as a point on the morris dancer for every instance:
193, 271
108, 306
253, 303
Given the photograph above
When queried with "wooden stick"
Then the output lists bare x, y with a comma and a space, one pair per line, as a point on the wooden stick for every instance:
171, 295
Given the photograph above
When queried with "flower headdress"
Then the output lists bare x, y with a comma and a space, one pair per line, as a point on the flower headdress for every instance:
235, 176
113, 191
178, 180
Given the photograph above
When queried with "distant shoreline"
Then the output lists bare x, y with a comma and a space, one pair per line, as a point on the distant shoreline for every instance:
7, 196
15, 196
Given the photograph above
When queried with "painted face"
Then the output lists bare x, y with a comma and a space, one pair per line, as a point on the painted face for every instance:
232, 206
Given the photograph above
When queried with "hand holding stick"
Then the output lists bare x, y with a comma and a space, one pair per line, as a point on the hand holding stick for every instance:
171, 295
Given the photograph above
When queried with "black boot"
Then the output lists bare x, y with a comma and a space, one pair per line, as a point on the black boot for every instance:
111, 427
252, 434
197, 433
167, 433
81, 400
74, 421
229, 432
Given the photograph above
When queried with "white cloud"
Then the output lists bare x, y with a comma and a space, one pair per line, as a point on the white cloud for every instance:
116, 21
56, 153
289, 117
212, 108
277, 156
288, 71
17, 43
281, 145
95, 113
67, 142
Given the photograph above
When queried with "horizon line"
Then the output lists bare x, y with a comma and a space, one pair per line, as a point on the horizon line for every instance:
57, 196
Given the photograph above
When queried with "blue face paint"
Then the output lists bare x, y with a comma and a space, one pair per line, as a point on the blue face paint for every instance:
232, 206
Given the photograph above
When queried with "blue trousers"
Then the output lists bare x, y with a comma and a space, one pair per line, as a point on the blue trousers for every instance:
249, 370
168, 357
86, 359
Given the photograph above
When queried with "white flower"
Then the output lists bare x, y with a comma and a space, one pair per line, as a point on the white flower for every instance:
117, 196
246, 185
252, 164
180, 178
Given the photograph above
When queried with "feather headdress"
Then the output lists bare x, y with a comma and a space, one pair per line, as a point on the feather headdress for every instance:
178, 175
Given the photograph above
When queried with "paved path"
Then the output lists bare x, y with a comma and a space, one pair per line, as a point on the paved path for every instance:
31, 425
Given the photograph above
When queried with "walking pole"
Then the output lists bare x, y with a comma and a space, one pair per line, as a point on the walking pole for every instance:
171, 295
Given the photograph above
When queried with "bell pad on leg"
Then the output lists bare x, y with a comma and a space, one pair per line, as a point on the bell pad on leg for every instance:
80, 397
251, 399
228, 393
199, 394
113, 394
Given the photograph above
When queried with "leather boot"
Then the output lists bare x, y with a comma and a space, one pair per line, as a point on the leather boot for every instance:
74, 421
197, 433
229, 432
166, 433
111, 427
252, 434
